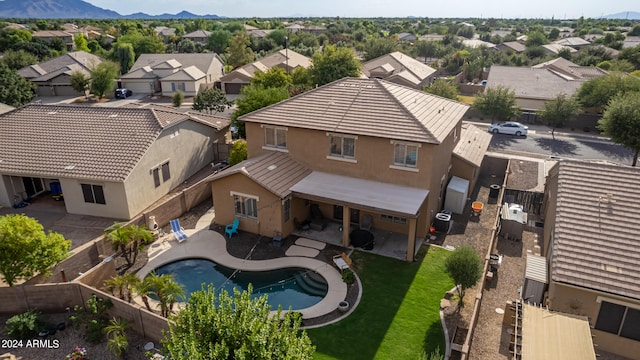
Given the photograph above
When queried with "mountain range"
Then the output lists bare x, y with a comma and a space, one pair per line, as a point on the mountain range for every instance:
76, 9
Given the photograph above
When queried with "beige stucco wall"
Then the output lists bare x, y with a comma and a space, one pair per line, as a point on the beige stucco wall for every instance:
269, 205
549, 209
114, 194
187, 152
139, 86
583, 302
373, 158
465, 170
190, 87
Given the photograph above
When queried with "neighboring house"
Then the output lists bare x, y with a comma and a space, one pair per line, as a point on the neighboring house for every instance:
353, 147
513, 46
169, 73
233, 82
295, 27
407, 37
48, 35
501, 33
555, 49
315, 29
630, 41
476, 43
166, 33
248, 27
199, 36
431, 37
260, 33
574, 42
591, 232
533, 86
401, 69
110, 162
53, 77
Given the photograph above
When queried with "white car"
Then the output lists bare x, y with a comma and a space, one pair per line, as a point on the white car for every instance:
509, 127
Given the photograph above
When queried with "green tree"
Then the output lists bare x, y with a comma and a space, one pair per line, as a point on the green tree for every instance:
81, 42
274, 77
128, 239
103, 78
239, 50
239, 327
427, 49
80, 82
123, 285
332, 64
177, 99
465, 268
26, 250
621, 121
16, 60
238, 152
631, 54
444, 88
598, 91
15, 90
211, 101
557, 111
124, 55
254, 98
218, 41
143, 289
376, 47
498, 102
536, 38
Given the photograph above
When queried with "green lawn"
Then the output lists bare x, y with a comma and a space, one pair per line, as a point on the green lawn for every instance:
398, 316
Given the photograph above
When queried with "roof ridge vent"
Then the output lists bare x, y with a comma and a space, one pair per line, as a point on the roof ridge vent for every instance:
113, 115
52, 112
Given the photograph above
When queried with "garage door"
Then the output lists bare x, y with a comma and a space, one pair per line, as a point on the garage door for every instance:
232, 88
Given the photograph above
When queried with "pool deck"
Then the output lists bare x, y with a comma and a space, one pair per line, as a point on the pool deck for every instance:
207, 244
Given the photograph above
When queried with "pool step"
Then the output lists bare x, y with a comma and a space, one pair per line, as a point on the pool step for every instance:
312, 283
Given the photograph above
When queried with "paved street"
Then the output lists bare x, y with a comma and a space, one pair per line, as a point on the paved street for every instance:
566, 145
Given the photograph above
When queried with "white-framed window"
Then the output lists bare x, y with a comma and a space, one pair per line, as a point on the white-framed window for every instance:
393, 219
286, 209
342, 146
93, 194
405, 154
619, 320
246, 206
275, 137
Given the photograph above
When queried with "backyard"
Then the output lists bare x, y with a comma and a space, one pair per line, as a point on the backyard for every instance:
398, 316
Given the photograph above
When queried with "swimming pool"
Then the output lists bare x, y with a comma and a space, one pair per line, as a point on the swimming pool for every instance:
297, 288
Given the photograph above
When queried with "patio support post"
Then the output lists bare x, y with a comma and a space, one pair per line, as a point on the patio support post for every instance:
346, 221
411, 241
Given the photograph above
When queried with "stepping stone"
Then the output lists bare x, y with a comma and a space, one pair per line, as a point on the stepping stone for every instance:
295, 250
310, 243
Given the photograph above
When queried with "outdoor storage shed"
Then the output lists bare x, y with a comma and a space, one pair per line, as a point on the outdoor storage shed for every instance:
513, 219
535, 279
456, 196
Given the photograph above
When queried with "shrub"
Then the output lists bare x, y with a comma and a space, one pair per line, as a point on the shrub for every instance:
92, 318
348, 276
24, 326
238, 152
178, 97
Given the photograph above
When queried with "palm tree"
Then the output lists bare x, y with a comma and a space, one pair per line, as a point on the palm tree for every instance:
131, 281
128, 239
115, 283
142, 289
115, 332
166, 289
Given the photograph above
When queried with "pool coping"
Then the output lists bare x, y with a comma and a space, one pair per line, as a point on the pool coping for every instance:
211, 245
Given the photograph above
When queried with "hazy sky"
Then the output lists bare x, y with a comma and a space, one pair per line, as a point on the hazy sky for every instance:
570, 9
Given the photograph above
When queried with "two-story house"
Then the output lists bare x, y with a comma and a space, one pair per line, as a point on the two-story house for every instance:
591, 238
351, 147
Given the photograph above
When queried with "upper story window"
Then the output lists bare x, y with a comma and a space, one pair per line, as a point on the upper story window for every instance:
342, 146
275, 137
405, 154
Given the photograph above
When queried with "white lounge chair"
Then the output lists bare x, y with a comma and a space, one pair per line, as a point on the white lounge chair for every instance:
342, 261
178, 231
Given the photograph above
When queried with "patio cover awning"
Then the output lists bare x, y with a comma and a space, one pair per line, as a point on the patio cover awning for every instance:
554, 335
377, 196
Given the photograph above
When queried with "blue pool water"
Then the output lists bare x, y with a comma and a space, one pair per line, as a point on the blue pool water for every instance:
297, 288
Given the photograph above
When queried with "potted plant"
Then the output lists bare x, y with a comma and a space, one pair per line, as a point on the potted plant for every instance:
343, 306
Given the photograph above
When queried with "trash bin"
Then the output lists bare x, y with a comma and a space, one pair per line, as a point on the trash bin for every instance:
441, 222
494, 191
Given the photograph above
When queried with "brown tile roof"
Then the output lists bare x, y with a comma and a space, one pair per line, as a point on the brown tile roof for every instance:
532, 83
596, 230
409, 68
281, 58
101, 143
472, 145
369, 107
571, 70
207, 63
275, 171
168, 115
